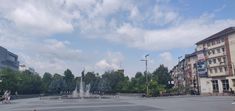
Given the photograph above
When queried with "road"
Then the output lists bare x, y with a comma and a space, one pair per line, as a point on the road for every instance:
125, 103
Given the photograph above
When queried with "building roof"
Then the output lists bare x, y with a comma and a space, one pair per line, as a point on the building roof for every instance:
11, 53
191, 55
219, 34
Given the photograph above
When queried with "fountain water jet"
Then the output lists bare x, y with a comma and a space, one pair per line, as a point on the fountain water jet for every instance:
75, 92
81, 89
87, 93
84, 92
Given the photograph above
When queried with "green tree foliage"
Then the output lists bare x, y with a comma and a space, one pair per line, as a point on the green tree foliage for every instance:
69, 80
155, 88
162, 75
57, 85
138, 83
109, 82
29, 83
22, 82
91, 79
46, 79
9, 79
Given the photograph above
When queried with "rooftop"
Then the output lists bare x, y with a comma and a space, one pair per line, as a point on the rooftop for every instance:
10, 53
217, 35
191, 55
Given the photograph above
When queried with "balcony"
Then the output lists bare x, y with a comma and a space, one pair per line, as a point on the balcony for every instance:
215, 45
218, 74
216, 55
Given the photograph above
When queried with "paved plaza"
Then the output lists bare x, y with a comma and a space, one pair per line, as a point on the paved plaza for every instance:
123, 103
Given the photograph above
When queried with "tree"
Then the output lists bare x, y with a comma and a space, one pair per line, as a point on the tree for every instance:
138, 83
9, 79
162, 75
23, 82
111, 81
29, 83
155, 88
47, 79
91, 79
57, 85
69, 80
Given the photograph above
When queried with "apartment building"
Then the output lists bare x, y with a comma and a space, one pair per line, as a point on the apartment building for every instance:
191, 72
8, 59
178, 74
184, 74
217, 56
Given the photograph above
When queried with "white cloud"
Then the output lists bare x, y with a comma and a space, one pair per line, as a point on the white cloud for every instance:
167, 59
163, 15
51, 55
39, 20
106, 7
43, 64
135, 13
112, 61
24, 25
186, 34
82, 5
60, 50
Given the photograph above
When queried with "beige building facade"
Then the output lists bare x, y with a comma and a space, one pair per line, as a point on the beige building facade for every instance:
219, 53
191, 71
210, 70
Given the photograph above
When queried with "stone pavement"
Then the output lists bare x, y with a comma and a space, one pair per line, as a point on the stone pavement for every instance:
124, 103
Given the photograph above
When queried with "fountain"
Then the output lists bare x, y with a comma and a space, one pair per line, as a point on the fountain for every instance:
81, 89
84, 92
75, 93
81, 93
87, 93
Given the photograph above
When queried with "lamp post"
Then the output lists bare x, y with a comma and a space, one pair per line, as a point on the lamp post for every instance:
0, 84
146, 73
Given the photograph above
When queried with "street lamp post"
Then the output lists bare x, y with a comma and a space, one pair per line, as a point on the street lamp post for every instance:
0, 84
146, 73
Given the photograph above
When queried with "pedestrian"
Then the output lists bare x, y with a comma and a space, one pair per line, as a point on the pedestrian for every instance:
5, 96
8, 97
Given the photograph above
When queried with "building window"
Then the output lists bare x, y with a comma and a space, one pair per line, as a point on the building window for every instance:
222, 40
225, 85
208, 44
211, 71
209, 52
220, 69
215, 85
218, 41
210, 61
224, 59
222, 49
225, 69
11, 58
213, 42
215, 70
214, 60
213, 51
219, 60
218, 50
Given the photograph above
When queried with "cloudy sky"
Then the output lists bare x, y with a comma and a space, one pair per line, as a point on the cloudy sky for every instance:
99, 35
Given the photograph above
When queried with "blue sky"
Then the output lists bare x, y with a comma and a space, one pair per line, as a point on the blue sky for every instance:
101, 35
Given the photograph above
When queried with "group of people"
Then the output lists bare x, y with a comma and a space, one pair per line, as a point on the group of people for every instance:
6, 97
